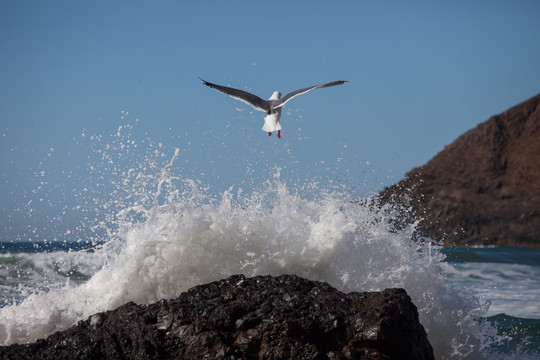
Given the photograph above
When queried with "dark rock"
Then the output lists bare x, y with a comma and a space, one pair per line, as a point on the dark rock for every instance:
484, 188
266, 317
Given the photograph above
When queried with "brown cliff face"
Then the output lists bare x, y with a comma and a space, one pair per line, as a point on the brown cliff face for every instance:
484, 188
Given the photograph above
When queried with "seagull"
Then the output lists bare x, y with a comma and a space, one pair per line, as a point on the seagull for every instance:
271, 107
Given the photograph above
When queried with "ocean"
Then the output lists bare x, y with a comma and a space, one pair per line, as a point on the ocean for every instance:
474, 302
147, 232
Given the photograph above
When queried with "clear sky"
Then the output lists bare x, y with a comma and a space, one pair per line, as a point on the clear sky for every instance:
420, 74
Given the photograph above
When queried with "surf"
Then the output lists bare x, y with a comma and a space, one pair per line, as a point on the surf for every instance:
159, 233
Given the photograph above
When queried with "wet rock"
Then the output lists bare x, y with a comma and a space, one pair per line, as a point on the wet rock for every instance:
267, 317
483, 188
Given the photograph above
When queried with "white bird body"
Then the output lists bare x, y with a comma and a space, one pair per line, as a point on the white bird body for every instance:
271, 121
272, 106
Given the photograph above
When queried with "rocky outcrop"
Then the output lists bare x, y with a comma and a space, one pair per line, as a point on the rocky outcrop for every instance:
266, 317
484, 188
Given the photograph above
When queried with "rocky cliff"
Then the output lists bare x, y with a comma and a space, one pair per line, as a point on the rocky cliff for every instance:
482, 189
267, 317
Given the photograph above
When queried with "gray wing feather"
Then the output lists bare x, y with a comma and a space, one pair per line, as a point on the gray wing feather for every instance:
289, 96
254, 101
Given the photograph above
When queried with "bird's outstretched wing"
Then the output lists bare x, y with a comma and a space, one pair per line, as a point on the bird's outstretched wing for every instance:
289, 96
253, 100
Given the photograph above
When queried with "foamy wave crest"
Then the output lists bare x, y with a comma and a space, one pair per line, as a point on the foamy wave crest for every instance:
165, 234
196, 239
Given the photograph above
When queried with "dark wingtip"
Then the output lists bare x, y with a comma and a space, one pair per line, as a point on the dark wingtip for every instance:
334, 83
204, 81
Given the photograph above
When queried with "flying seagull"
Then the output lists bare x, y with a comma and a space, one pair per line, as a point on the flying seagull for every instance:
271, 107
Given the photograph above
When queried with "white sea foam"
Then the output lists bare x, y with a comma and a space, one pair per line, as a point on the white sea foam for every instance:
166, 234
512, 289
196, 239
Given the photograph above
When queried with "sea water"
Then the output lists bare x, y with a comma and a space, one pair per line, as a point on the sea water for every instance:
157, 233
46, 288
508, 279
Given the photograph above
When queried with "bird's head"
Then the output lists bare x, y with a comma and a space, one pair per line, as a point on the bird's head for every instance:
275, 96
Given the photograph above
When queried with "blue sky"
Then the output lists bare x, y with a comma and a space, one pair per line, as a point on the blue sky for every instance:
420, 74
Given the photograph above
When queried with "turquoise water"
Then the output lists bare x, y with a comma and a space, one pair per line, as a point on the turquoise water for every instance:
508, 279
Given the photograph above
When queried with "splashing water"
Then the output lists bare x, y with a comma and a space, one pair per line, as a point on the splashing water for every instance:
166, 234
